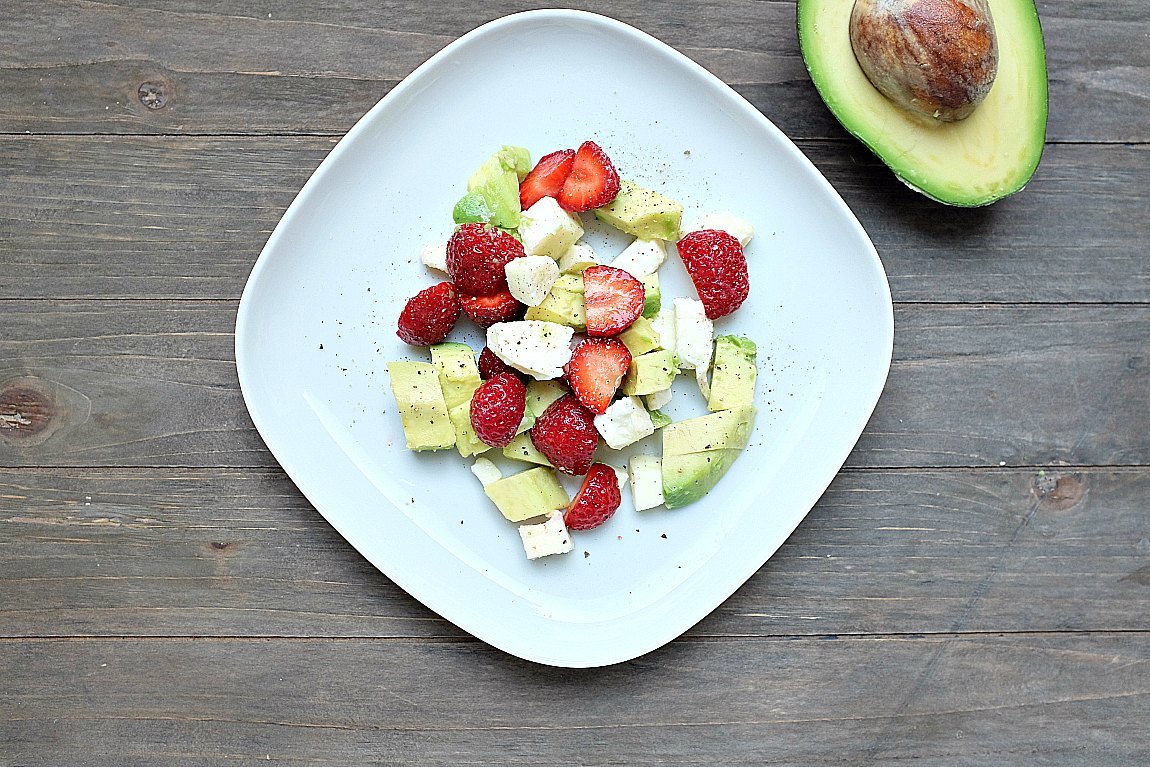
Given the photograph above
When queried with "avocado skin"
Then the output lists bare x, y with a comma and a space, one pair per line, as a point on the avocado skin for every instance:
697, 453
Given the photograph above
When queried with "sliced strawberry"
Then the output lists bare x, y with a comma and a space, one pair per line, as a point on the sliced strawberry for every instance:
597, 500
614, 300
497, 409
429, 315
596, 368
718, 267
491, 366
546, 178
485, 311
593, 181
476, 256
566, 435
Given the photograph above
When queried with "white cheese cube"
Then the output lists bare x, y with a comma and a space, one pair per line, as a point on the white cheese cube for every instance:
530, 278
659, 399
621, 475
577, 258
694, 334
539, 349
546, 538
434, 256
641, 258
486, 471
664, 324
738, 228
646, 481
625, 423
548, 230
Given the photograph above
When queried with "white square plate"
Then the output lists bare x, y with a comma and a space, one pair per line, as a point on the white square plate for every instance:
316, 327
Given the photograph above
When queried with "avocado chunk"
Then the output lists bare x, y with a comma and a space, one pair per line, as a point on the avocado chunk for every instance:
493, 190
652, 295
540, 394
642, 212
467, 442
974, 161
459, 378
733, 379
523, 449
651, 372
417, 392
697, 453
640, 338
528, 494
659, 419
563, 305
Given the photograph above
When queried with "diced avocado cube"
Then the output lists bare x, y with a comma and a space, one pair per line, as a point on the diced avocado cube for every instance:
472, 208
426, 424
458, 373
697, 453
493, 190
523, 449
652, 295
659, 419
528, 494
642, 212
640, 338
540, 394
734, 373
466, 440
563, 305
651, 372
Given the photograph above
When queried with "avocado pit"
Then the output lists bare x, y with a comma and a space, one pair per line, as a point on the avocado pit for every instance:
934, 58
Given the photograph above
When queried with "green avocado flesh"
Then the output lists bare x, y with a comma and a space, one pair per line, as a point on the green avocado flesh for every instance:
697, 453
975, 161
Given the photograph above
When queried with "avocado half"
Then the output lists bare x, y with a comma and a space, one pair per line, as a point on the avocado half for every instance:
987, 156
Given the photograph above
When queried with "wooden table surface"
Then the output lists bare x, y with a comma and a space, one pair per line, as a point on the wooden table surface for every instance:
973, 589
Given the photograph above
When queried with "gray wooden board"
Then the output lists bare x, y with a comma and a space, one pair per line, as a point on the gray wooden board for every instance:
155, 552
231, 67
1028, 699
108, 383
160, 217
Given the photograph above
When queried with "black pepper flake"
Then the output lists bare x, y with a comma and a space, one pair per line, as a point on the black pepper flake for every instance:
664, 535
586, 554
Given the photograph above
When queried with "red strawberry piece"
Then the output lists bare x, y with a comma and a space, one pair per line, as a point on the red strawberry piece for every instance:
497, 409
597, 500
614, 300
566, 435
491, 366
717, 266
546, 178
476, 255
429, 315
596, 368
593, 181
485, 311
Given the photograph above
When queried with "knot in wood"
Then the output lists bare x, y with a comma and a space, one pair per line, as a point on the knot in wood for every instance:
153, 95
1058, 492
24, 411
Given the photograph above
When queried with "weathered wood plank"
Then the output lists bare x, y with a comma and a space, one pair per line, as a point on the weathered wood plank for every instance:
241, 553
174, 67
152, 383
108, 217
941, 701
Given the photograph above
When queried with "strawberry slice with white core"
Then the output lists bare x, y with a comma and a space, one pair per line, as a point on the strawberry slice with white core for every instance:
593, 181
546, 178
614, 300
595, 371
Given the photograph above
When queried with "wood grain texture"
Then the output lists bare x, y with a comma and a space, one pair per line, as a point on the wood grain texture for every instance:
939, 701
153, 383
82, 67
162, 217
241, 553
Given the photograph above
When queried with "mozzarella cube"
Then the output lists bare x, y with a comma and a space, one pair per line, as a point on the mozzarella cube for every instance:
577, 258
646, 481
546, 538
486, 471
641, 258
539, 349
624, 423
434, 256
548, 230
530, 278
621, 476
659, 399
694, 334
738, 228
